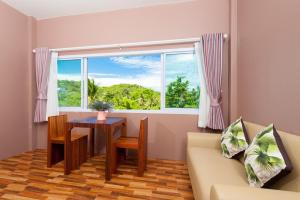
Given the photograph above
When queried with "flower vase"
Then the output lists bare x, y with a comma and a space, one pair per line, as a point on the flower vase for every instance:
102, 115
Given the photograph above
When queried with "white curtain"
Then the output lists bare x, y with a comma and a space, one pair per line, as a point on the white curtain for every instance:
204, 101
52, 103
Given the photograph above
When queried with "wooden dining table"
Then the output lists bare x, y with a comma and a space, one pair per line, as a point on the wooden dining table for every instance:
110, 126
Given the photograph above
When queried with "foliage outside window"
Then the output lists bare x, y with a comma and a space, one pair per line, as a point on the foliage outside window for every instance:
131, 82
69, 84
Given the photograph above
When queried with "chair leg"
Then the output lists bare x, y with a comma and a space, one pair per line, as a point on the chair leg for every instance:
115, 159
83, 150
49, 155
141, 164
145, 161
75, 154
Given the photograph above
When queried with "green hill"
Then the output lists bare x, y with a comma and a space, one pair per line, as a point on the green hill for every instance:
130, 96
122, 96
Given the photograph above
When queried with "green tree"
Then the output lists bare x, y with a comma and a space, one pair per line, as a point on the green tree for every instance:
69, 93
92, 90
178, 94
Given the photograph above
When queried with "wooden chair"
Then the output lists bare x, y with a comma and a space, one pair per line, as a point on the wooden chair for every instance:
57, 130
137, 143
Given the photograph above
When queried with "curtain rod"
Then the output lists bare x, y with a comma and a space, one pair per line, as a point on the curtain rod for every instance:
125, 45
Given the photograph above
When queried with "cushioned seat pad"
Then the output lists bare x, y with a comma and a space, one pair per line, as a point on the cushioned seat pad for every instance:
208, 167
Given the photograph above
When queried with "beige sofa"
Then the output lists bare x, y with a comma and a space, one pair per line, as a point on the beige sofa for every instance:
217, 178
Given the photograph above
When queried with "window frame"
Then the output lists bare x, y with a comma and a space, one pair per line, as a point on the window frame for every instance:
84, 77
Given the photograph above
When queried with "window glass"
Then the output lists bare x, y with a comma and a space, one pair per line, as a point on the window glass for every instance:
69, 83
181, 81
127, 82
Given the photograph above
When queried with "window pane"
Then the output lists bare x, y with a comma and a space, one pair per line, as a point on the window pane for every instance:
69, 83
127, 82
182, 81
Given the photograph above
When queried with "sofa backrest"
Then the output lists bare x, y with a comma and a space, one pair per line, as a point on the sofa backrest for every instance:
292, 145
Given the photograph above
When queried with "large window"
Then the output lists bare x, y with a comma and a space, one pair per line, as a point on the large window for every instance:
166, 81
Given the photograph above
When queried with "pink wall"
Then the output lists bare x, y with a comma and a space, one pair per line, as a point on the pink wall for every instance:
150, 23
269, 60
15, 65
233, 69
32, 25
167, 133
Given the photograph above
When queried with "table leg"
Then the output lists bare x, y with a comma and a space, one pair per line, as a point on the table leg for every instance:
92, 142
67, 152
108, 163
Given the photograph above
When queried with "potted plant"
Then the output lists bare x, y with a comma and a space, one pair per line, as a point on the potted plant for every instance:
102, 108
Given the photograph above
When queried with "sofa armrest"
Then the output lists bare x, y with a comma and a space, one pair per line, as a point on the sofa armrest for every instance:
230, 192
204, 140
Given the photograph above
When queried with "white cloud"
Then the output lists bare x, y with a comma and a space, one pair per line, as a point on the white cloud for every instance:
137, 62
102, 75
69, 77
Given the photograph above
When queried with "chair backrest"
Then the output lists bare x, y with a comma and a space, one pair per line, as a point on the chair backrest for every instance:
57, 126
143, 135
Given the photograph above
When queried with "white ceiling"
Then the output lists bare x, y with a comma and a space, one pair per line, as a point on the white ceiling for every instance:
43, 9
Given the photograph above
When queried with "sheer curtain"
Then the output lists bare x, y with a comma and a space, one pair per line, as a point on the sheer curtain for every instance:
204, 102
52, 103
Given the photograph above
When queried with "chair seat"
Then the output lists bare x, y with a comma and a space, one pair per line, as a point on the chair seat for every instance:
74, 136
127, 142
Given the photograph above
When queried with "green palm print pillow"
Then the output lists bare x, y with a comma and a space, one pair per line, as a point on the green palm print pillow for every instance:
265, 159
234, 139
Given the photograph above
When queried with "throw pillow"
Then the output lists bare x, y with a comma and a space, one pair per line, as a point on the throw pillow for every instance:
234, 139
266, 159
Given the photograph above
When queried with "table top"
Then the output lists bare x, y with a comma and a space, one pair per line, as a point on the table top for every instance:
94, 121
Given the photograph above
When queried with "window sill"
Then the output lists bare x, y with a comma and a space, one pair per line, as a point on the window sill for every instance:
165, 111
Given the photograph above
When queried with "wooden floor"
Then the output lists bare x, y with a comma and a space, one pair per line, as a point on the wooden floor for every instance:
26, 177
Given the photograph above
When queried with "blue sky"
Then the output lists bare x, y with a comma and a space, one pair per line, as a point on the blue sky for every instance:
143, 70
123, 66
182, 65
69, 67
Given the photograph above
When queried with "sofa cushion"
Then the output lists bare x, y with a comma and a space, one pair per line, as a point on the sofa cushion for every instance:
234, 139
266, 159
208, 166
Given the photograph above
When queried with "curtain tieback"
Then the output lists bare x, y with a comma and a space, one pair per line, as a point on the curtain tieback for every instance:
41, 97
215, 102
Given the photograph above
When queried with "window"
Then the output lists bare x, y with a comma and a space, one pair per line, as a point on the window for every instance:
69, 83
156, 80
182, 82
128, 82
